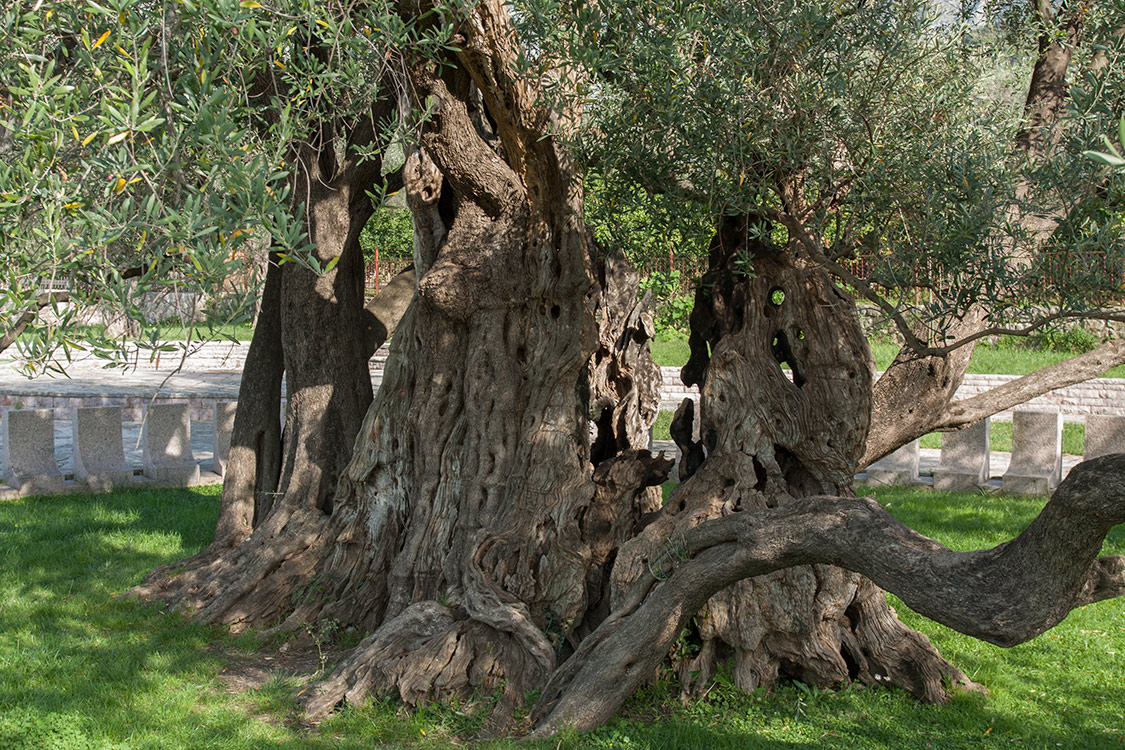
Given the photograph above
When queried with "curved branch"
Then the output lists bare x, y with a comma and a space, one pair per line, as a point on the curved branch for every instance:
1092, 364
1005, 595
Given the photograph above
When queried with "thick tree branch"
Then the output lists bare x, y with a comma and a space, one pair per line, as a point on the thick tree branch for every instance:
27, 316
386, 309
1015, 392
1005, 595
451, 140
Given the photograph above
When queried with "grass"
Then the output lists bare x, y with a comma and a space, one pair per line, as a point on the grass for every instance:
82, 668
1073, 438
1006, 359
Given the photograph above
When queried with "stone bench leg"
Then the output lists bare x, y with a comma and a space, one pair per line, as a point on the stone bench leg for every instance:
99, 450
224, 426
964, 461
166, 445
900, 467
1104, 435
1036, 465
29, 463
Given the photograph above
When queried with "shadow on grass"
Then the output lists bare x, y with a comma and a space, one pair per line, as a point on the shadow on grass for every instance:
81, 667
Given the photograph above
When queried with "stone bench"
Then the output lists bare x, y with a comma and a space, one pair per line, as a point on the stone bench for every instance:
224, 426
29, 463
99, 453
166, 443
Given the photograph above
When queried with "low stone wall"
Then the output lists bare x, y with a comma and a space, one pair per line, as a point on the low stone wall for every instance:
1104, 396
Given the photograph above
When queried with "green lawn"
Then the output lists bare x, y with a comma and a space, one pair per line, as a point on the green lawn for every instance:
1073, 438
998, 360
81, 668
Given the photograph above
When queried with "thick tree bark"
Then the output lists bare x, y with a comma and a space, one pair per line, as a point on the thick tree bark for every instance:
480, 532
254, 466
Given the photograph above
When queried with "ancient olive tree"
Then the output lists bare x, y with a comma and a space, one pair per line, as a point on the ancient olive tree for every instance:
903, 151
480, 536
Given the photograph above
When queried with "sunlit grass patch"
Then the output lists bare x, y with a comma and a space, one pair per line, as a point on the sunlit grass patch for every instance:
82, 667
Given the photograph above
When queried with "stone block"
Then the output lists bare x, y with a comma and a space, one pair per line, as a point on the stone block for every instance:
963, 464
166, 445
1104, 435
99, 452
1036, 465
900, 467
224, 426
29, 463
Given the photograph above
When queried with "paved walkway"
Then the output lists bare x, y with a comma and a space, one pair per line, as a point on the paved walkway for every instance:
118, 384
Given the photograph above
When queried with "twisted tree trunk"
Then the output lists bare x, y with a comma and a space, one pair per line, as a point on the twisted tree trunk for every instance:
472, 534
769, 438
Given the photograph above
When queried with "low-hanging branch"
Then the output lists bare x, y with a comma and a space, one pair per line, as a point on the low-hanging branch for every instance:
1078, 369
1005, 595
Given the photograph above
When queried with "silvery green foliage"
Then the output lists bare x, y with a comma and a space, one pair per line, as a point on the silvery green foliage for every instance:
143, 143
883, 132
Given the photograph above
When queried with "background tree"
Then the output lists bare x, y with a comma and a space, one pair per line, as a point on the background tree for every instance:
892, 136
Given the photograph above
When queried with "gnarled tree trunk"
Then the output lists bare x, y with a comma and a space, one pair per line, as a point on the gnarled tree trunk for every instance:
472, 533
770, 437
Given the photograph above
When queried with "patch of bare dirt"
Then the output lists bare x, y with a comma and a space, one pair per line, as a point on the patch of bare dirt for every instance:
298, 658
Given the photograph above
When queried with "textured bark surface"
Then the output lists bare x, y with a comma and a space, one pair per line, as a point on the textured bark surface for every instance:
472, 533
769, 438
1005, 595
254, 465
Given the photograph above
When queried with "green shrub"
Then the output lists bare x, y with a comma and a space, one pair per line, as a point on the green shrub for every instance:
391, 230
673, 304
1075, 339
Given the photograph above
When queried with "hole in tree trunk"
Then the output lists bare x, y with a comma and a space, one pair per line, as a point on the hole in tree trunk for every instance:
760, 475
604, 445
783, 353
800, 480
